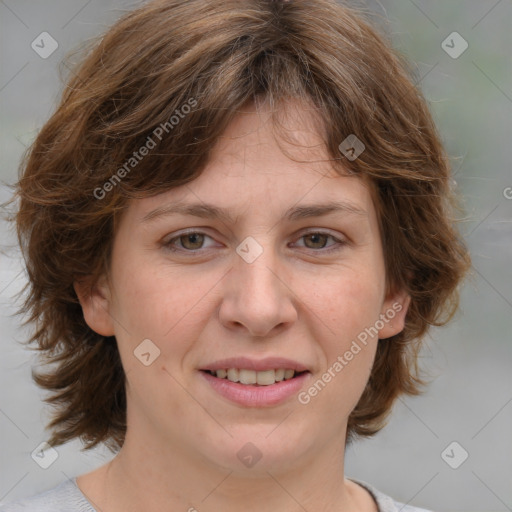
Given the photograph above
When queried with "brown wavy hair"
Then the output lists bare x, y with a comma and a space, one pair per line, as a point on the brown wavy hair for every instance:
216, 55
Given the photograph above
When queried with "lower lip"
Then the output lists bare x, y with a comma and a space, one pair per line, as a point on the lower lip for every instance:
256, 396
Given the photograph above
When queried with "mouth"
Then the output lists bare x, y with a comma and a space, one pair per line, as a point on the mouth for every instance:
256, 378
251, 382
264, 387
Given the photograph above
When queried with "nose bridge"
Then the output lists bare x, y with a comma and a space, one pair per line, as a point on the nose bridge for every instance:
258, 275
257, 297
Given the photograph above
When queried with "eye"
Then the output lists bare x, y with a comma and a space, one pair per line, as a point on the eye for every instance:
318, 239
188, 242
193, 241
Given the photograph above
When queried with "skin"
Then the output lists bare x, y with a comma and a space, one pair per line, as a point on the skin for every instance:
296, 300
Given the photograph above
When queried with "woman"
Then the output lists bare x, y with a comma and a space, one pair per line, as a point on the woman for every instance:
237, 229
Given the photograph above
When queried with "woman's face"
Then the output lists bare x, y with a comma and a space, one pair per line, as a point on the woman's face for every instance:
278, 280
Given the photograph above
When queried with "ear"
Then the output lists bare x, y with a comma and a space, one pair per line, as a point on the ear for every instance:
95, 299
393, 313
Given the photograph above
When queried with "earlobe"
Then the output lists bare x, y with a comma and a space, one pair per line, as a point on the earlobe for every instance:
95, 301
394, 311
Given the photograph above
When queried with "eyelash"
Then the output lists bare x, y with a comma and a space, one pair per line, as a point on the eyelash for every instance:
338, 245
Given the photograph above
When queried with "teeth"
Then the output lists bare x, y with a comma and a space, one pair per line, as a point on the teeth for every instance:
232, 374
264, 378
222, 374
288, 374
247, 376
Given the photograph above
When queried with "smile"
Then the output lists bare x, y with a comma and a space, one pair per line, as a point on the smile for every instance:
252, 377
255, 388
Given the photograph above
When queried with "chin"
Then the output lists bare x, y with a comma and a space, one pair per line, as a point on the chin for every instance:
256, 450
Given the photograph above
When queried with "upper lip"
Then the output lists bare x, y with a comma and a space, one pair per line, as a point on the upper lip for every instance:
259, 365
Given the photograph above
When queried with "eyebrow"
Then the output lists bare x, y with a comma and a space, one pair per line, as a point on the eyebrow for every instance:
210, 211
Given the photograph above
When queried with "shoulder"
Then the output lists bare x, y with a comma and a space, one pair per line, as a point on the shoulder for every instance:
408, 508
65, 497
386, 503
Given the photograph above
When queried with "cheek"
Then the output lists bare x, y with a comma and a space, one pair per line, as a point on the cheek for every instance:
348, 302
160, 303
347, 308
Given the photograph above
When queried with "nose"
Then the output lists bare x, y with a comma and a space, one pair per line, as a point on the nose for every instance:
258, 298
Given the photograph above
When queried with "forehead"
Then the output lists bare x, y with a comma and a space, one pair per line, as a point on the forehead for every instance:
271, 161
294, 131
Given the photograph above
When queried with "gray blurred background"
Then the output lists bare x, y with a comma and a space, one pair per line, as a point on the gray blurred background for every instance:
467, 411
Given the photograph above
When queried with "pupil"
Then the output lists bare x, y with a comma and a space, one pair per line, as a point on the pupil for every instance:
190, 238
315, 236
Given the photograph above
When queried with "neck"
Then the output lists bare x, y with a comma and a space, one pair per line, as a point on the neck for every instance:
145, 476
